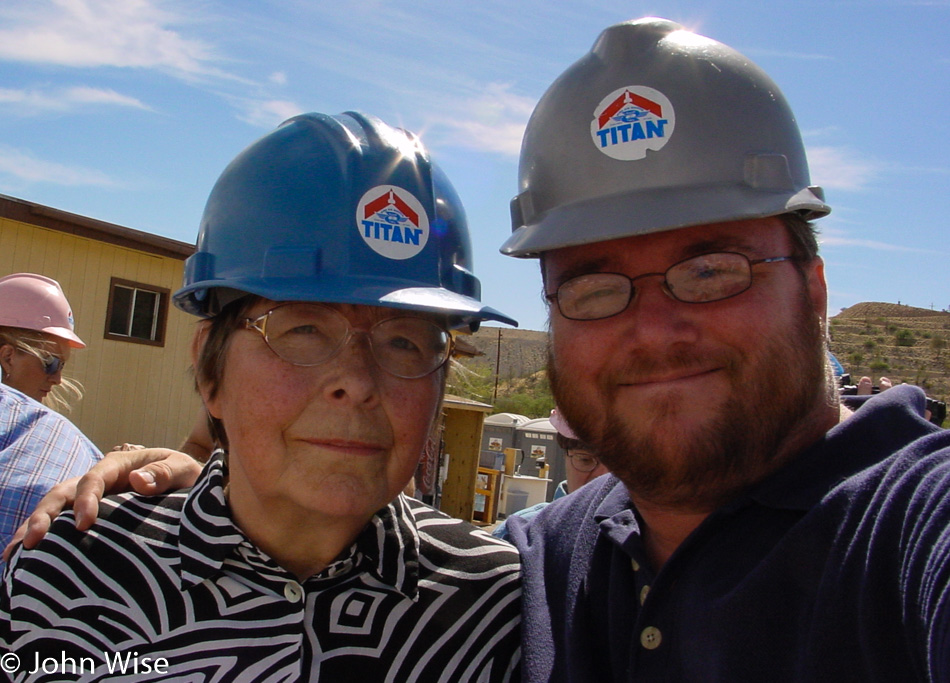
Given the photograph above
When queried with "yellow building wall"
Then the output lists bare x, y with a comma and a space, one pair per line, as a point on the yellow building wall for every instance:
132, 392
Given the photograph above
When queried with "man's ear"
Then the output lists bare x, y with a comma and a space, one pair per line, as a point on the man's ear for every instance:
817, 287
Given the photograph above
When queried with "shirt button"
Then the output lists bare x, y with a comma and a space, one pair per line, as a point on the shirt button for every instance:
643, 594
650, 637
293, 591
635, 565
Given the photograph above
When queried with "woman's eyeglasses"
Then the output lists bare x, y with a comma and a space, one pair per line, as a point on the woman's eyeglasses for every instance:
312, 334
51, 364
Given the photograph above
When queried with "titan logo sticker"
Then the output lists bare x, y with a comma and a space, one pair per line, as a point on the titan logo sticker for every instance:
392, 222
631, 120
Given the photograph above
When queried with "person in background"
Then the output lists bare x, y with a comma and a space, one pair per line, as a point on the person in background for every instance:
38, 446
582, 467
36, 337
854, 396
333, 263
866, 386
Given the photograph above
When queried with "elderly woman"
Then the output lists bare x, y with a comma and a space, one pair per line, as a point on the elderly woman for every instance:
331, 266
36, 335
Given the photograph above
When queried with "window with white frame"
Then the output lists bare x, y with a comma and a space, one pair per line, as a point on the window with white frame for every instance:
136, 312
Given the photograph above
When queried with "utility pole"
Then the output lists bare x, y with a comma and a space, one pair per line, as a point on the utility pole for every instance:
494, 395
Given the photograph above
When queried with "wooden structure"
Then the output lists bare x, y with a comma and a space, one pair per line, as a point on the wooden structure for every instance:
488, 491
461, 436
135, 367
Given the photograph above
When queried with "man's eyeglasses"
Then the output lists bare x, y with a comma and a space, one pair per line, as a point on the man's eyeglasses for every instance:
312, 334
696, 280
582, 461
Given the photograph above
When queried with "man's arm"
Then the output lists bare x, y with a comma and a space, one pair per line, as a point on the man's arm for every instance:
149, 471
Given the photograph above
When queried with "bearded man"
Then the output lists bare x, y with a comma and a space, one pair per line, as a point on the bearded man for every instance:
753, 529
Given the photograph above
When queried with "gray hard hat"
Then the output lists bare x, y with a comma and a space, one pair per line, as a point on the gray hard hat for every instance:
657, 128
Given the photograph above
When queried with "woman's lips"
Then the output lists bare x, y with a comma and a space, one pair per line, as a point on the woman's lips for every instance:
347, 446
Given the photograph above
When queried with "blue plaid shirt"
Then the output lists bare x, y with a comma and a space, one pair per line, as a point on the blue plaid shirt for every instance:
38, 448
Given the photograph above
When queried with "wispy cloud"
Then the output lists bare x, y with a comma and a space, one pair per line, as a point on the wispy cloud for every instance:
264, 113
812, 133
26, 167
493, 121
782, 54
87, 95
63, 99
97, 33
920, 170
831, 239
839, 168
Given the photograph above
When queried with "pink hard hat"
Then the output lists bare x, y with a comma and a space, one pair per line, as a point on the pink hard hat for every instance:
35, 302
560, 424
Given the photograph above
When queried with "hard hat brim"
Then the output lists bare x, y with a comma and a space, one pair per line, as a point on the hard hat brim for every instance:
640, 213
560, 424
438, 300
68, 335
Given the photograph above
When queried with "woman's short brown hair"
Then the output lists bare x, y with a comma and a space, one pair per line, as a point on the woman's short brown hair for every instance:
210, 358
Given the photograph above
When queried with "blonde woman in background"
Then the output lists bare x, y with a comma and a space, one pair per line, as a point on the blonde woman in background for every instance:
38, 446
36, 338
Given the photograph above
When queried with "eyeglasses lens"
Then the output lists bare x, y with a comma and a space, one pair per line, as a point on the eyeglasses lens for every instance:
52, 364
709, 277
701, 279
594, 296
310, 334
583, 462
409, 347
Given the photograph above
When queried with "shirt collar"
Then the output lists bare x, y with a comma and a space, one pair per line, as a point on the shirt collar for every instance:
883, 425
388, 547
391, 543
615, 513
208, 534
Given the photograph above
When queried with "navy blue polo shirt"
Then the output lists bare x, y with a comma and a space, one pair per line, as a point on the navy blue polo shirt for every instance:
835, 568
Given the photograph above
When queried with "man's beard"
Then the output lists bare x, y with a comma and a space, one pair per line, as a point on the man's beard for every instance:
701, 469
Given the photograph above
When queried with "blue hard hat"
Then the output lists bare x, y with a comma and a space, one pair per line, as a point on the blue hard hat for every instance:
835, 365
337, 209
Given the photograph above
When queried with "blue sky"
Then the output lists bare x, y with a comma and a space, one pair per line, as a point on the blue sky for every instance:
127, 110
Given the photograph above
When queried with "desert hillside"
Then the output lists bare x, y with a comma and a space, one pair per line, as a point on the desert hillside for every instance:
903, 343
